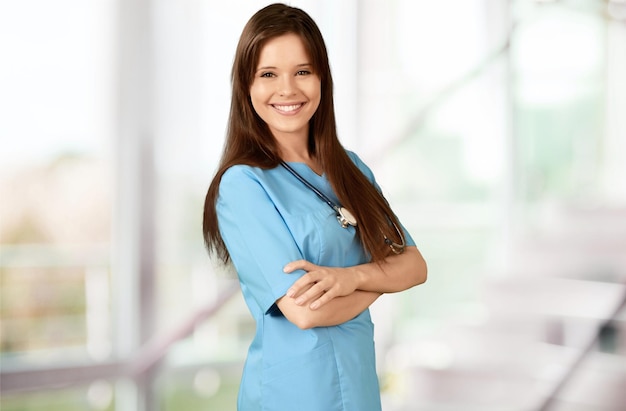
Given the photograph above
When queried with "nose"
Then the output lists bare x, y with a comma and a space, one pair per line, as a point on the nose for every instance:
286, 86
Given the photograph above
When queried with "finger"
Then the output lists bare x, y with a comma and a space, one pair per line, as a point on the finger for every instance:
300, 285
324, 298
310, 295
299, 265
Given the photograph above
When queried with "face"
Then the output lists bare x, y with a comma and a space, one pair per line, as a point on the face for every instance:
285, 91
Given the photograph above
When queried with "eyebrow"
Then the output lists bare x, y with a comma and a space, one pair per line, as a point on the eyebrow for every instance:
274, 68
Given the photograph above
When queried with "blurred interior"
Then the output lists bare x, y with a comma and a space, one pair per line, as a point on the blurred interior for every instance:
497, 130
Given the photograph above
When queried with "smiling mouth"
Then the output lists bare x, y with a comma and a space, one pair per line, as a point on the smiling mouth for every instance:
288, 108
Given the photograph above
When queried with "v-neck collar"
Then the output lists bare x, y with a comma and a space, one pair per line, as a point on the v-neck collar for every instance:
304, 166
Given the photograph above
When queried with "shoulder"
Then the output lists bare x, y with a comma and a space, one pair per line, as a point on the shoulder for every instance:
245, 174
361, 165
239, 179
353, 156
238, 172
251, 182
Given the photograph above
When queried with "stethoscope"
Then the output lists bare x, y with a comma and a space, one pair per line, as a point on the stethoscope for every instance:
344, 216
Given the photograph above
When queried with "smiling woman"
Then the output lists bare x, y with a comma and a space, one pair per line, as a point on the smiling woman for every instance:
307, 280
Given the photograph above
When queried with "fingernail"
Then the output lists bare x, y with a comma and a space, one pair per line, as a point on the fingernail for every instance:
290, 293
315, 306
299, 301
286, 268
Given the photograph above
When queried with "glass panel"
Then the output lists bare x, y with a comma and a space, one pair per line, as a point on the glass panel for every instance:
56, 179
44, 309
443, 132
558, 58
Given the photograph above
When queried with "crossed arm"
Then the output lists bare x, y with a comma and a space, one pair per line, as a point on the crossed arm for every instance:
324, 296
327, 296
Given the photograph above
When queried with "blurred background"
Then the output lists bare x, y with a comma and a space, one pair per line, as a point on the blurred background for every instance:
496, 128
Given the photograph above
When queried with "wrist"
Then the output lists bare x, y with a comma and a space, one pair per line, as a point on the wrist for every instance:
360, 277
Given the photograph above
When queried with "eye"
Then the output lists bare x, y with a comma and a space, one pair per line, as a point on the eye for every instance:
268, 74
303, 73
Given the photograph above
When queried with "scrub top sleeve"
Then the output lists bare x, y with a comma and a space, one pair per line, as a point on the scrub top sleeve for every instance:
257, 238
370, 176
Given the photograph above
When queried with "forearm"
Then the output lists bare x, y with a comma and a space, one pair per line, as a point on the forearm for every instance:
336, 311
397, 273
320, 284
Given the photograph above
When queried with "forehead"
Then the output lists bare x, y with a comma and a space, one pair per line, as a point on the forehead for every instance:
285, 50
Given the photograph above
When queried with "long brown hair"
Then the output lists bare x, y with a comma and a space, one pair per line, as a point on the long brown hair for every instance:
249, 140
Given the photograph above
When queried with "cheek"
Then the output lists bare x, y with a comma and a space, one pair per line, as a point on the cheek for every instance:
316, 96
257, 99
315, 91
258, 92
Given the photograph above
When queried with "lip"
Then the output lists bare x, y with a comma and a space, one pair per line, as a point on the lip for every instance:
288, 109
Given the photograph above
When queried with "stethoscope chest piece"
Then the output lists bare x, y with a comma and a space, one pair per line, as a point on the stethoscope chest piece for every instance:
345, 217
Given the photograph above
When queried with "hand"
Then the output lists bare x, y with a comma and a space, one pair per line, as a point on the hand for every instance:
320, 284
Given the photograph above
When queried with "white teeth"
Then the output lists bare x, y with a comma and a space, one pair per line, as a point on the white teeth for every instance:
287, 109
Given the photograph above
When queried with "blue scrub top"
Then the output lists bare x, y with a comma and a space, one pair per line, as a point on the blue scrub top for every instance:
267, 219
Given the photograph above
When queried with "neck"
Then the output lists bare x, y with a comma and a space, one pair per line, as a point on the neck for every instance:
295, 148
300, 155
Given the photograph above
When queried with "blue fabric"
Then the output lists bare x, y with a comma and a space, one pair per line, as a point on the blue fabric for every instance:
268, 218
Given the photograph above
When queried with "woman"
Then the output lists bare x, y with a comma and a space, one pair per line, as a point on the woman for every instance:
313, 240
